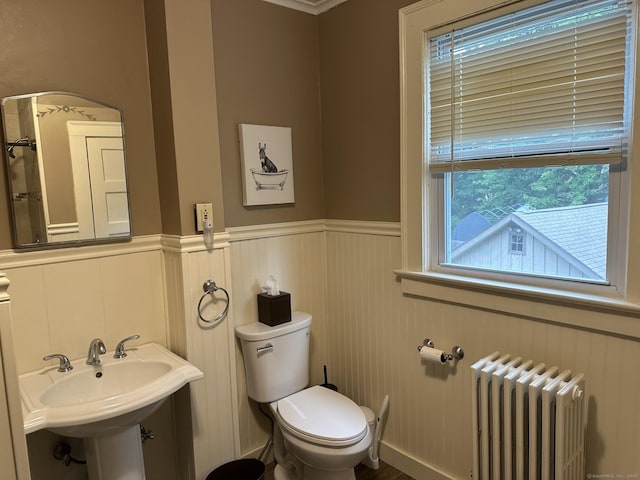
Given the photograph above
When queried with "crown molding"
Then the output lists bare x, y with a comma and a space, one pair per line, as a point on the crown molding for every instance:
314, 7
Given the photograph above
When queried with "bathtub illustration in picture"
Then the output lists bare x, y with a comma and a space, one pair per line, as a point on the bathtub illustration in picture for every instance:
269, 180
267, 164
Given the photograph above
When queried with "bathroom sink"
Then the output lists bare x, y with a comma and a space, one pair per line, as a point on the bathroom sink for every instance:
94, 401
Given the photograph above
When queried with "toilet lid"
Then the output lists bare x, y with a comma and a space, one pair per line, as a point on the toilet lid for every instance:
324, 415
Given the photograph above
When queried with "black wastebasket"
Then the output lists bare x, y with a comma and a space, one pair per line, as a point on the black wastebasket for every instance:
243, 469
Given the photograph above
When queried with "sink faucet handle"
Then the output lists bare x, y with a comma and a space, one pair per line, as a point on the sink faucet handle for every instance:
120, 353
65, 364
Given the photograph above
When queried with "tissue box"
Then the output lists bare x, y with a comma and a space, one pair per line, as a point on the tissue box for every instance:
274, 309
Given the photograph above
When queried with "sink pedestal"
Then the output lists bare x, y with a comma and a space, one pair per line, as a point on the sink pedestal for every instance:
104, 405
117, 456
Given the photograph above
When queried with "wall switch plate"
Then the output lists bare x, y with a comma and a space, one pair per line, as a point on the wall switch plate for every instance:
203, 211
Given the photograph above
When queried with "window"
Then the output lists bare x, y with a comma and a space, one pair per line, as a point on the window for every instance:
516, 244
526, 114
428, 231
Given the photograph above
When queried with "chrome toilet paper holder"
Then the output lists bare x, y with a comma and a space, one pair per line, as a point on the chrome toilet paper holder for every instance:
457, 353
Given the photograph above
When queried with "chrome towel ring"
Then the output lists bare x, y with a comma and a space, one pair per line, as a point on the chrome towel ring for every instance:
209, 287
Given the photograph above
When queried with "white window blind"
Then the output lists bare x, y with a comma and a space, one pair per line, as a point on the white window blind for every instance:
541, 86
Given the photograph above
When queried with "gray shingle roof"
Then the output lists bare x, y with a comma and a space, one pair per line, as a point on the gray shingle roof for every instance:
580, 230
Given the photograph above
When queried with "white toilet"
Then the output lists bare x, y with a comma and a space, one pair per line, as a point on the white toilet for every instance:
319, 434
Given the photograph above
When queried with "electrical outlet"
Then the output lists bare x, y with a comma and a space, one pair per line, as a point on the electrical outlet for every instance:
203, 211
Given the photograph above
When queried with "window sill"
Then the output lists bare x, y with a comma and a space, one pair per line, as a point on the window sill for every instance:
612, 315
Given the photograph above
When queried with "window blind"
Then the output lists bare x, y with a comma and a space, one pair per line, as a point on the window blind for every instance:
541, 86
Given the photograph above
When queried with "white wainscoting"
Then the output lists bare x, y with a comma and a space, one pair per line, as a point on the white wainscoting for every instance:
13, 455
63, 298
364, 330
212, 419
374, 331
295, 254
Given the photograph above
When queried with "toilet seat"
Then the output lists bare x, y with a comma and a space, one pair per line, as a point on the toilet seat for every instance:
322, 416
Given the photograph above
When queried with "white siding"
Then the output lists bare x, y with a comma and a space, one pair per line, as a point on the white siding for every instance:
538, 257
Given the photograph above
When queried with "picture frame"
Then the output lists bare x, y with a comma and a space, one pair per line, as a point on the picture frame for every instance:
267, 164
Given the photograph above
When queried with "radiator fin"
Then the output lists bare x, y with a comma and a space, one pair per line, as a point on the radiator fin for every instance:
528, 420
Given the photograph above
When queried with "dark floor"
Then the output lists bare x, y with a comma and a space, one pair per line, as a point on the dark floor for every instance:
385, 472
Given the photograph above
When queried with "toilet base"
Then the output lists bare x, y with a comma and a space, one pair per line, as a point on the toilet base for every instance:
283, 474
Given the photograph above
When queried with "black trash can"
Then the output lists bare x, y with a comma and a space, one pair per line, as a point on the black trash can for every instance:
243, 469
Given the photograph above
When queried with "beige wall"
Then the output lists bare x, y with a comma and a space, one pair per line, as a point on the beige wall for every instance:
267, 73
193, 118
269, 63
332, 78
360, 109
95, 49
100, 51
156, 31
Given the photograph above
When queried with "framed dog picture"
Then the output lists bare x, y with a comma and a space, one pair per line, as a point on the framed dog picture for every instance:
267, 164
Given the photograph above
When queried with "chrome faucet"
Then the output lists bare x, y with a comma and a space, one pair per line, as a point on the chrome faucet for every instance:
96, 348
65, 364
119, 352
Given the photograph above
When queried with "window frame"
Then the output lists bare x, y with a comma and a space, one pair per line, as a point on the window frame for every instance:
517, 240
420, 197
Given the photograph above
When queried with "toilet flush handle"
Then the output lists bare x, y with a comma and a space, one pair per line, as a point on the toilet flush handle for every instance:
267, 348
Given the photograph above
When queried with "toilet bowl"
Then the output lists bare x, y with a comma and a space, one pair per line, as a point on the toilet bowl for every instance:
319, 434
325, 430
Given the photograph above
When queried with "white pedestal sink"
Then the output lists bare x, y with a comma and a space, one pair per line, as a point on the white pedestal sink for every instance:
104, 404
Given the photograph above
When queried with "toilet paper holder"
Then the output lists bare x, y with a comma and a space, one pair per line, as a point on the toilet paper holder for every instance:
456, 352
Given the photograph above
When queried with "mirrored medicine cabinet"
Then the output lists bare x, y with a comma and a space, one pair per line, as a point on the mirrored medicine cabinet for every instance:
66, 170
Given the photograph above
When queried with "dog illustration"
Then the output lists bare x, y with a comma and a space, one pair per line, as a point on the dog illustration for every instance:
267, 165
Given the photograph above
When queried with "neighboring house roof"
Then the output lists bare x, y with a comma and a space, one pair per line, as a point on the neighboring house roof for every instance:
576, 232
469, 227
581, 231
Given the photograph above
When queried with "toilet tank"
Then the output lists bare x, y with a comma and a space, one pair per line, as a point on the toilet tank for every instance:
276, 359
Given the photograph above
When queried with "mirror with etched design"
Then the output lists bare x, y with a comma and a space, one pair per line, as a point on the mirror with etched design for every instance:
66, 169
